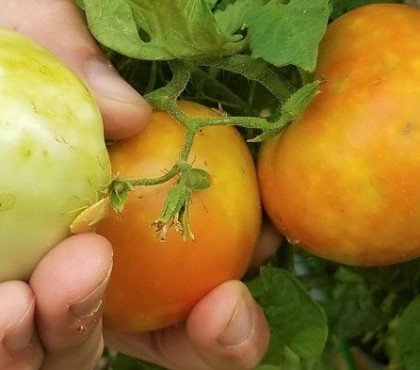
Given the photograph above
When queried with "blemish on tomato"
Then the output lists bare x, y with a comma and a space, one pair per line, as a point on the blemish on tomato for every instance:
408, 128
7, 201
35, 110
27, 153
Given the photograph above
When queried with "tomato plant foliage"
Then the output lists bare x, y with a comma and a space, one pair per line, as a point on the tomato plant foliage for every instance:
255, 59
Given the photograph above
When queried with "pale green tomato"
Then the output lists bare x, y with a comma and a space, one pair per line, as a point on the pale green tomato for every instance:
53, 159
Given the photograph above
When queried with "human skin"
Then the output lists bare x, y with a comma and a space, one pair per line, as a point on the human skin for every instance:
53, 321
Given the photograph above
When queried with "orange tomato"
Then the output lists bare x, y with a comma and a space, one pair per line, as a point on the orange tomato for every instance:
343, 181
155, 284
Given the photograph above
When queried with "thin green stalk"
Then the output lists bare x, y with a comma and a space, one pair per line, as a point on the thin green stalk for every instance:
247, 122
251, 97
253, 69
348, 356
175, 170
152, 78
165, 97
189, 140
157, 180
234, 100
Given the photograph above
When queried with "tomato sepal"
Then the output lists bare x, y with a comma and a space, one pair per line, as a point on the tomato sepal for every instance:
175, 211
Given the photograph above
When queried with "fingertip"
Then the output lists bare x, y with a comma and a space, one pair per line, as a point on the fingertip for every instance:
74, 266
125, 112
123, 119
19, 345
69, 284
270, 241
17, 312
228, 327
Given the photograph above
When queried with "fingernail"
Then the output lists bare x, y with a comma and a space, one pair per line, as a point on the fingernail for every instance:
105, 80
90, 305
239, 328
20, 336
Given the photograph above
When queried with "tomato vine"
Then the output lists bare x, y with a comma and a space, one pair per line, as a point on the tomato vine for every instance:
175, 210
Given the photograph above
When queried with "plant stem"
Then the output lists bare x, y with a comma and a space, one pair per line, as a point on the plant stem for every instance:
247, 122
152, 78
175, 170
233, 100
253, 69
188, 142
165, 97
348, 356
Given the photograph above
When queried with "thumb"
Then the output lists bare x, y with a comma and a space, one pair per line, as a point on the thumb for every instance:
60, 27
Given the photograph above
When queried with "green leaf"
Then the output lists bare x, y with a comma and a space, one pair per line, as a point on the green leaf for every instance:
231, 19
294, 317
211, 3
159, 30
288, 34
124, 362
353, 309
267, 367
407, 335
80, 4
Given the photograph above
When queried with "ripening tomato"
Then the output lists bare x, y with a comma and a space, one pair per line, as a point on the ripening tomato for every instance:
155, 284
343, 181
53, 159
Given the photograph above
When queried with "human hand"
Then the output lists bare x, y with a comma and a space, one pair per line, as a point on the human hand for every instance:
54, 321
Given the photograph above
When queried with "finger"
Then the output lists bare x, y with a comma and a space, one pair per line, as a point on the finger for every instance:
69, 284
226, 330
270, 241
124, 111
19, 346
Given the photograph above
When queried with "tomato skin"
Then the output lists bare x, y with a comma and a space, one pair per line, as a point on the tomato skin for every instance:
343, 180
53, 158
155, 284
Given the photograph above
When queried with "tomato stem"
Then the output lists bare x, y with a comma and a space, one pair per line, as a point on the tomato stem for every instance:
166, 99
175, 170
254, 70
189, 140
246, 122
348, 356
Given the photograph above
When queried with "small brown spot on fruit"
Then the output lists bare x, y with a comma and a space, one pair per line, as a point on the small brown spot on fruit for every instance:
408, 128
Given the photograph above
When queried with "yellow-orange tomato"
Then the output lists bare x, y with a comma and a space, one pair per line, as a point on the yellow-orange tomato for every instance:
155, 284
343, 181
